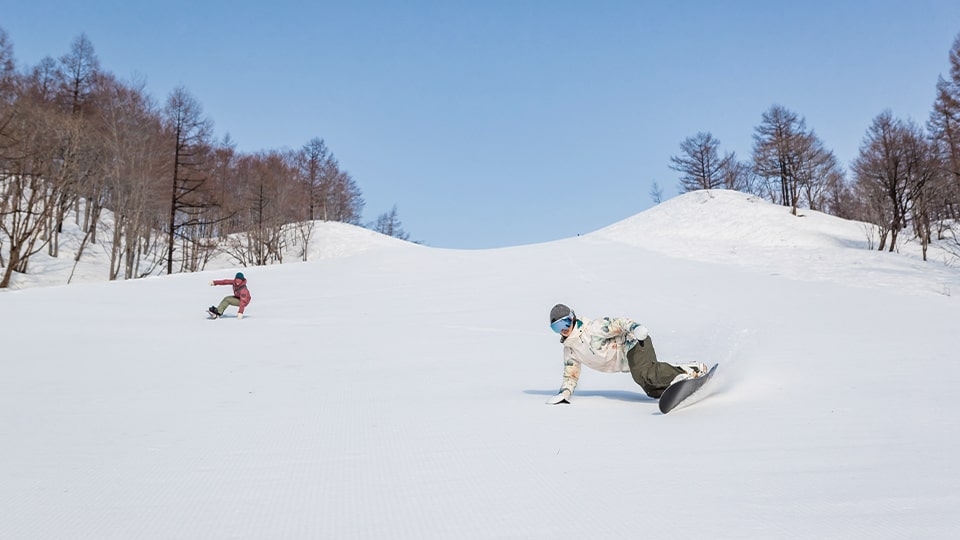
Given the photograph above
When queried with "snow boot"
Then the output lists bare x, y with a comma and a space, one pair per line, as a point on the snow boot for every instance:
690, 371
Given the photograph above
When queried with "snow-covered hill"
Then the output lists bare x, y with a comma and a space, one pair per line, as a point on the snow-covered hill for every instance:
327, 239
399, 393
736, 228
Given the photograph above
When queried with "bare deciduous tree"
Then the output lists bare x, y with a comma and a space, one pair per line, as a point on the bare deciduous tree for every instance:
739, 176
389, 224
7, 62
656, 193
268, 198
318, 169
775, 143
189, 135
700, 165
44, 81
944, 128
80, 67
792, 159
893, 172
345, 203
27, 197
817, 172
923, 174
134, 176
8, 95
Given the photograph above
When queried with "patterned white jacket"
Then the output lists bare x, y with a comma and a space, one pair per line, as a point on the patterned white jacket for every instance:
599, 343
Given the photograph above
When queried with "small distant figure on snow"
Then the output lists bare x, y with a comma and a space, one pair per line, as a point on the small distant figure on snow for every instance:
240, 298
612, 345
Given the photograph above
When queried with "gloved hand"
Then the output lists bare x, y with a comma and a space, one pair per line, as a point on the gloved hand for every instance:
211, 284
562, 397
239, 315
640, 333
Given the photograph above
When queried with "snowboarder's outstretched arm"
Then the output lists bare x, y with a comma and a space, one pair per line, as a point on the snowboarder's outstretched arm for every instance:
571, 375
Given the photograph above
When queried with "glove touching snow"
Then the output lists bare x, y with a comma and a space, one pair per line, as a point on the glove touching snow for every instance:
211, 284
640, 332
562, 397
239, 315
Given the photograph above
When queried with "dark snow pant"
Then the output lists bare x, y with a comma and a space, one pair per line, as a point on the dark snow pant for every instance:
653, 376
228, 301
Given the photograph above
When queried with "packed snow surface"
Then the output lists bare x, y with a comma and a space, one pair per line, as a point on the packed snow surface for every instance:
391, 390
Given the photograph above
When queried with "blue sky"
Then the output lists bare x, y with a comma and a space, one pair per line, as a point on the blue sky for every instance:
496, 123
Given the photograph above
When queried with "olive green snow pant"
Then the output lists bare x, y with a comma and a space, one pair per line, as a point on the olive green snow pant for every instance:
228, 301
653, 376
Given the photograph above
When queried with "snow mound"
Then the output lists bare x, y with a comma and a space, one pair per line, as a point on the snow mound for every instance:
706, 220
327, 240
731, 227
334, 239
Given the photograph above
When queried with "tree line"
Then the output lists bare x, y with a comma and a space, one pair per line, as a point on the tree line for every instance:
906, 176
75, 141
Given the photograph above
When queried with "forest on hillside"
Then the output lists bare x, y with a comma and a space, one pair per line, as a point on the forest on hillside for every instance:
906, 176
75, 141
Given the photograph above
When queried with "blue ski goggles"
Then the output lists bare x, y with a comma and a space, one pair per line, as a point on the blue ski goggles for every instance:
560, 325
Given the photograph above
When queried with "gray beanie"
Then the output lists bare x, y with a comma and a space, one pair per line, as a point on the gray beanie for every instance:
560, 311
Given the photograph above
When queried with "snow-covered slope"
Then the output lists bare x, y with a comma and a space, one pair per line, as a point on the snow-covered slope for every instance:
735, 228
399, 393
327, 239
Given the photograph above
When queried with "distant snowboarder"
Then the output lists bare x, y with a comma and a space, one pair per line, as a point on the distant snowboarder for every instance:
240, 298
613, 345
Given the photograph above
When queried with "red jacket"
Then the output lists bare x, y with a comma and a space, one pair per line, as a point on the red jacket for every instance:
239, 290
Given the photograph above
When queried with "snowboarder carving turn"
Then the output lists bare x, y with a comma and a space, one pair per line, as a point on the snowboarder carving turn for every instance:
240, 297
612, 345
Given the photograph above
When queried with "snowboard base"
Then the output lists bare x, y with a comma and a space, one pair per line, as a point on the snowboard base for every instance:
676, 393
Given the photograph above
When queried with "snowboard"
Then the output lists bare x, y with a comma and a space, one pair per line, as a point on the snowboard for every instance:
210, 313
676, 393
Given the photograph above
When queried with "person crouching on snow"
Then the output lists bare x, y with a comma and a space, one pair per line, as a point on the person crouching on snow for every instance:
240, 298
612, 345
